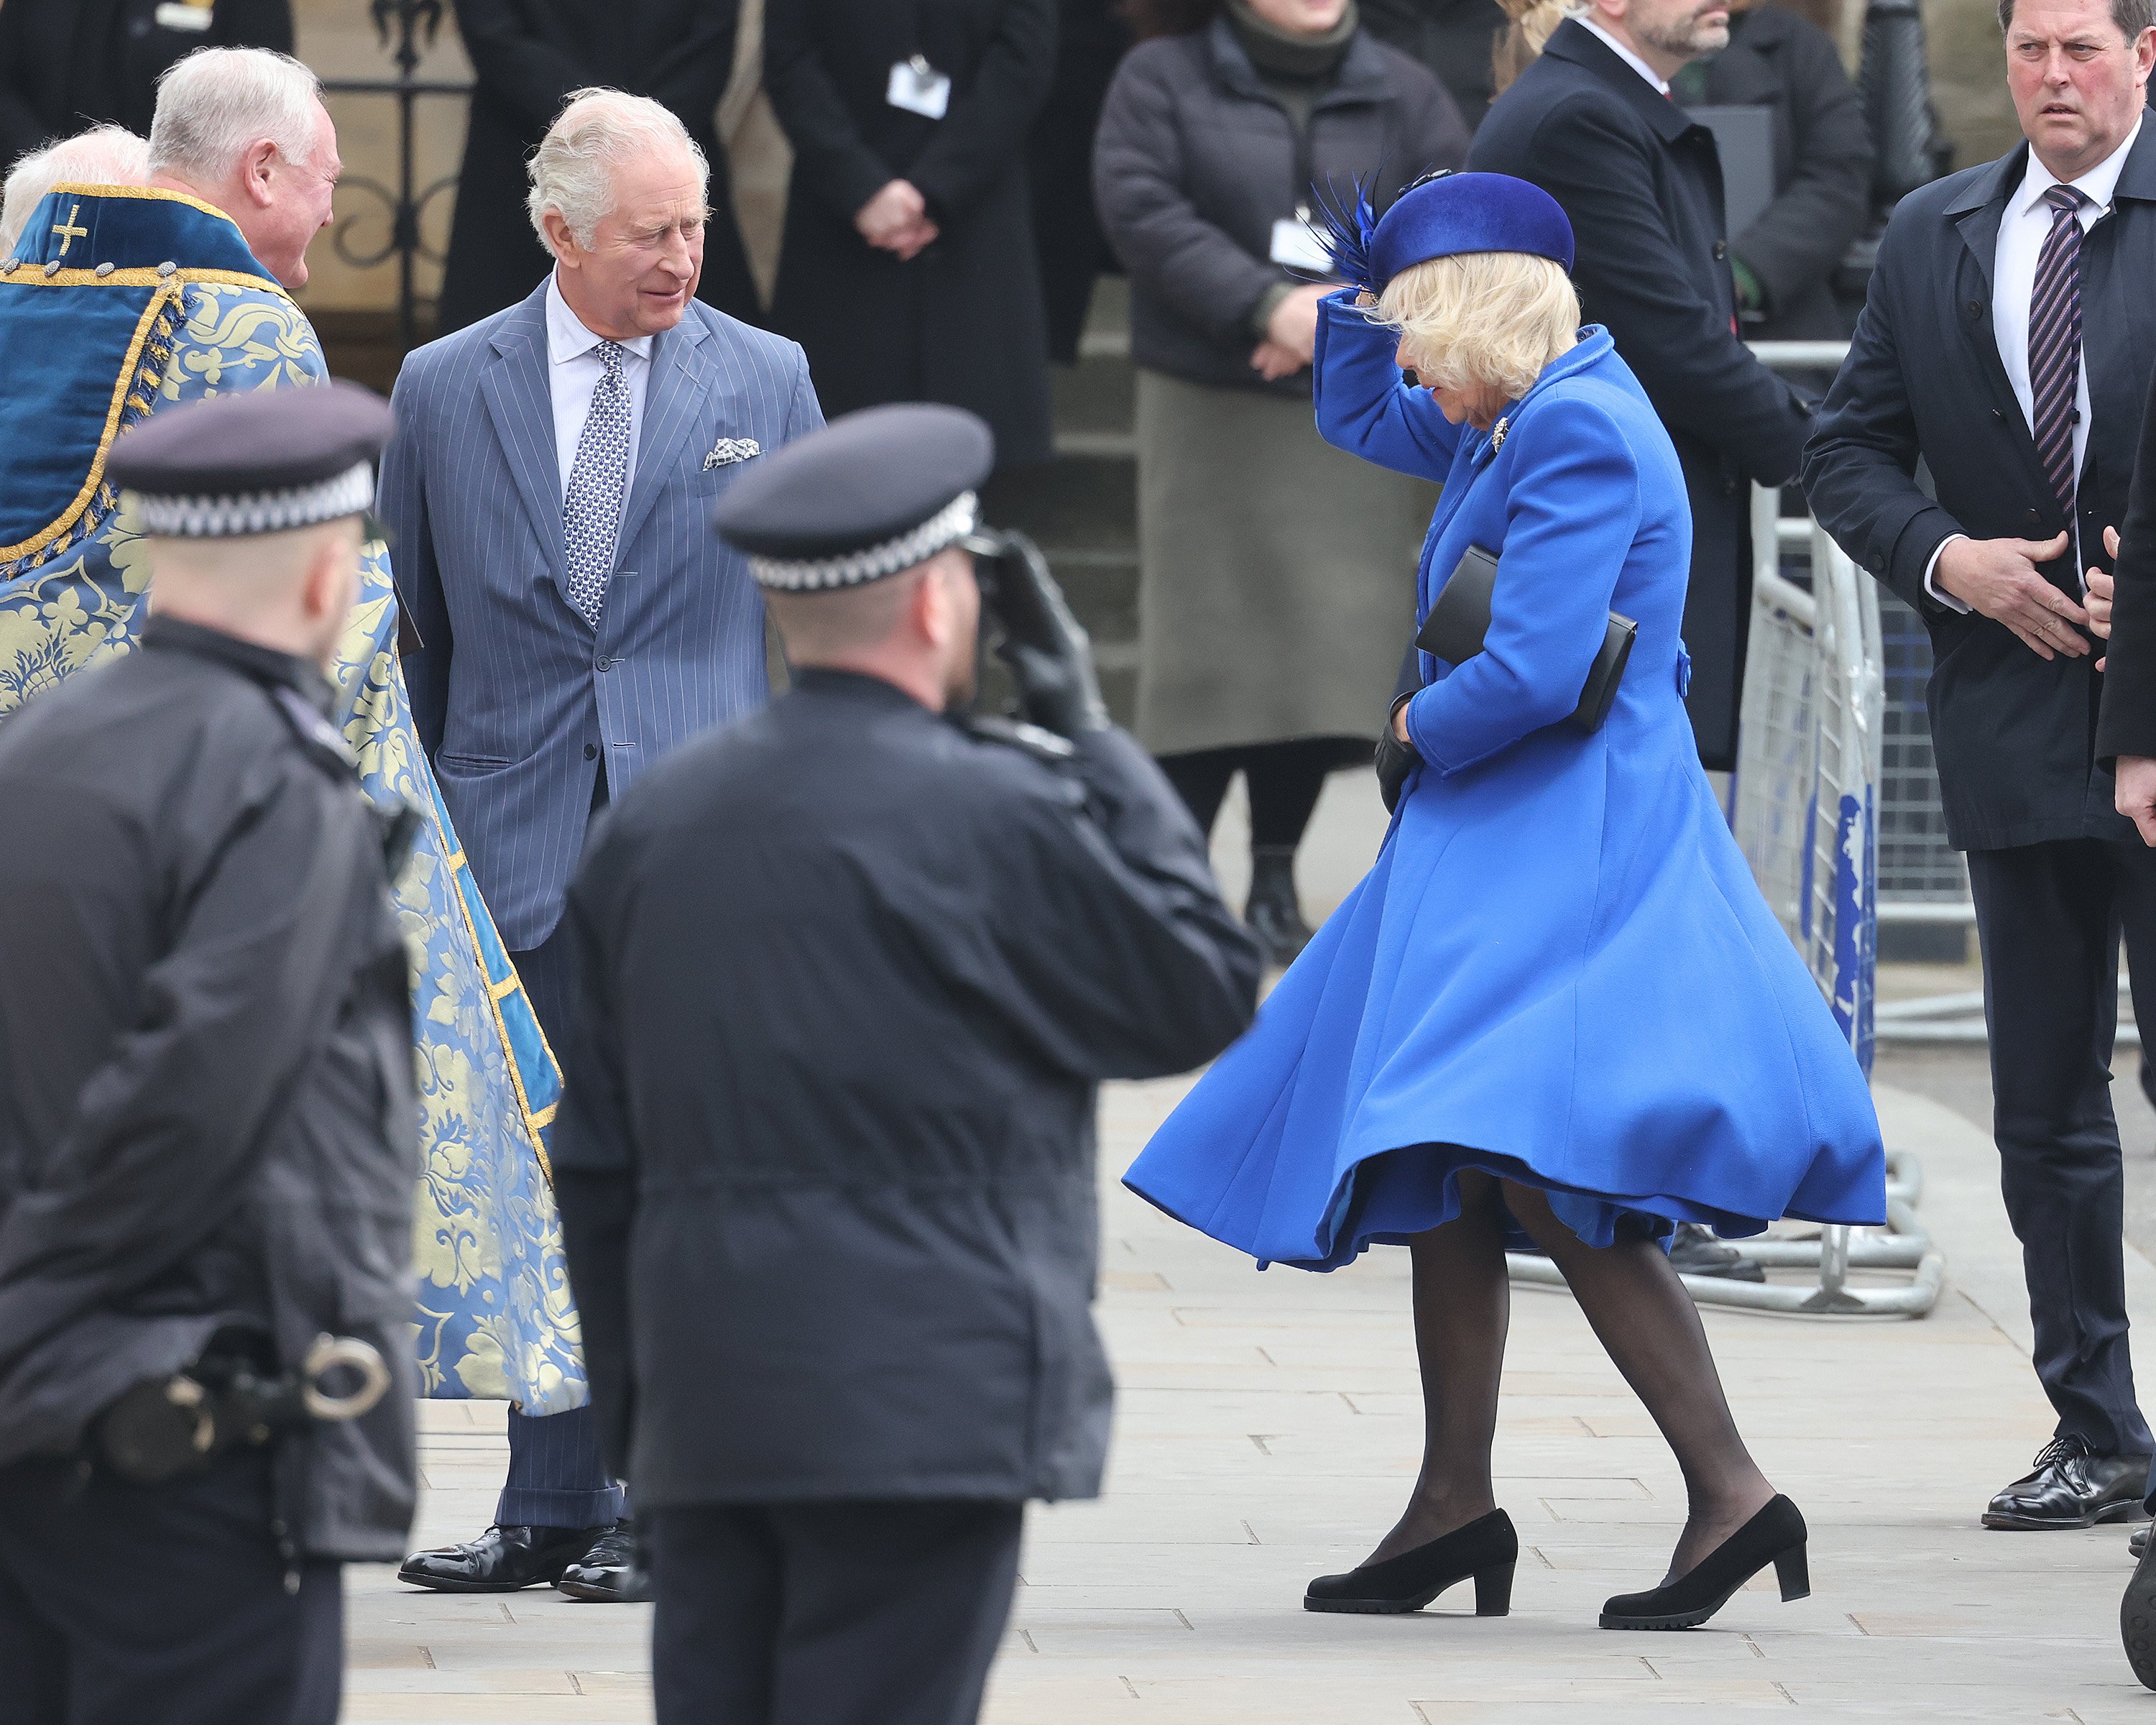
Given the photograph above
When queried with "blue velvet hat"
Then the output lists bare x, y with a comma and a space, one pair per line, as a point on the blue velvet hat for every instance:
1442, 217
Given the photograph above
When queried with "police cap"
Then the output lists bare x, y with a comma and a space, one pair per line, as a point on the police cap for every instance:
259, 462
870, 495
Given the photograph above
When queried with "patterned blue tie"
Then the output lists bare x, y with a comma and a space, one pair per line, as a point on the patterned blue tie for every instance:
2054, 342
591, 509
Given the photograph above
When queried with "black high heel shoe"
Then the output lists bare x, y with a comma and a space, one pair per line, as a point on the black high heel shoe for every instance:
1776, 1535
1486, 1548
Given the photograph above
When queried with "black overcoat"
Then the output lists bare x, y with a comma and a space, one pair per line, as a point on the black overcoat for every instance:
851, 976
1091, 38
2013, 733
962, 322
1823, 161
65, 64
528, 56
206, 1114
1643, 187
1455, 39
2126, 722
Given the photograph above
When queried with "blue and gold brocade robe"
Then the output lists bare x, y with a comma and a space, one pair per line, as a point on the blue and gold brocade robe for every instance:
117, 302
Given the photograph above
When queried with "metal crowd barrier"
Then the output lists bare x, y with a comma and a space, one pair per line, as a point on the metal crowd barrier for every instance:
1805, 807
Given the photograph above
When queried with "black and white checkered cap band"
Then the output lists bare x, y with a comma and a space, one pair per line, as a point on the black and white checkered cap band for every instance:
351, 492
946, 527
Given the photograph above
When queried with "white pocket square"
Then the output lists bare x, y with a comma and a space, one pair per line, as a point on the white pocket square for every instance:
727, 450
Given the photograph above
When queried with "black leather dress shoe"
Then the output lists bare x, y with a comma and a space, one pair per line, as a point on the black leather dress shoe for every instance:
2136, 1541
1695, 1251
2070, 1487
500, 1560
611, 1573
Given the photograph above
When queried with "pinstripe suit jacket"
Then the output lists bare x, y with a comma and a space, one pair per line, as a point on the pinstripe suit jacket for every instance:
517, 699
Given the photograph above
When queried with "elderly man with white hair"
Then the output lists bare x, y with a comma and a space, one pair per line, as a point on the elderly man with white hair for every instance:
135, 299
547, 496
103, 155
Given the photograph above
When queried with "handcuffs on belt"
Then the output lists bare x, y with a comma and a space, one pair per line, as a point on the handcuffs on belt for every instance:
164, 1427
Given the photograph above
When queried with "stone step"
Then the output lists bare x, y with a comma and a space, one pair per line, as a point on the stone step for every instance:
1097, 394
1085, 500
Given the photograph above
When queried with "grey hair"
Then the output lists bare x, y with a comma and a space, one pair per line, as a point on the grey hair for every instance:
2132, 17
218, 103
571, 171
103, 155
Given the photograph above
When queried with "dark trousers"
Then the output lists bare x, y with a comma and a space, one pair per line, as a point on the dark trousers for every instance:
2050, 918
557, 1475
1283, 780
122, 1604
829, 1613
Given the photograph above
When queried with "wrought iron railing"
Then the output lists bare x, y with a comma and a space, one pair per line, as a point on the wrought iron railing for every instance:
406, 29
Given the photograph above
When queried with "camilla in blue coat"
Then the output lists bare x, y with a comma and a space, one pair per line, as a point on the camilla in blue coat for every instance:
1557, 1003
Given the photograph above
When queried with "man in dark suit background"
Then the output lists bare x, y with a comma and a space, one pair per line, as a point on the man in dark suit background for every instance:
1592, 122
528, 56
546, 494
68, 64
2007, 345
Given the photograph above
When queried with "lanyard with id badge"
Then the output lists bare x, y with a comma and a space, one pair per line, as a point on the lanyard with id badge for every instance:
1296, 246
919, 88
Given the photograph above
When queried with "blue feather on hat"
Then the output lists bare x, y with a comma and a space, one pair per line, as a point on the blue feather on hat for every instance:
1350, 225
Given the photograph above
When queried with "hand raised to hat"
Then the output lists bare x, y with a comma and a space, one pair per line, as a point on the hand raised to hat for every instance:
1049, 655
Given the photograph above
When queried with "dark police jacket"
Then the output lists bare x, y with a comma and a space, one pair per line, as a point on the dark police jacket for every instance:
206, 1089
2013, 733
1642, 184
851, 977
66, 64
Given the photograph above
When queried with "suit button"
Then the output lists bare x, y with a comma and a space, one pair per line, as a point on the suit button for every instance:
2034, 516
590, 751
1975, 307
1721, 249
605, 665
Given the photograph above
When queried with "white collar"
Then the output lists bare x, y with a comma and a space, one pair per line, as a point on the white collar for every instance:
567, 337
2097, 184
1661, 84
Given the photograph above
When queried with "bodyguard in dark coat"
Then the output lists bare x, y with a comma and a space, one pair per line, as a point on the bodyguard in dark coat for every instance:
1785, 261
207, 1130
949, 310
65, 64
527, 58
1642, 186
851, 972
1952, 367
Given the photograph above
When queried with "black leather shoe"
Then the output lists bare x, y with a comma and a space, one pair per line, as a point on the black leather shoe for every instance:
2136, 1541
1695, 1251
1271, 912
2069, 1487
1486, 1548
610, 1572
2137, 1617
1776, 1535
500, 1560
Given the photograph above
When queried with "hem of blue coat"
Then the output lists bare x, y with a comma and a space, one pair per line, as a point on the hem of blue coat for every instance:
1593, 1216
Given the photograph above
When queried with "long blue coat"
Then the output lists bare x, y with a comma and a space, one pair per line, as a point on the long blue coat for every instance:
1559, 970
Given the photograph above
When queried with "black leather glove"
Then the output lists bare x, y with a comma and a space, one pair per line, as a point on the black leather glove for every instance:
1394, 757
1049, 655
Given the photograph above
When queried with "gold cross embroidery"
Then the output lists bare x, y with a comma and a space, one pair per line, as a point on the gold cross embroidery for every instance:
68, 231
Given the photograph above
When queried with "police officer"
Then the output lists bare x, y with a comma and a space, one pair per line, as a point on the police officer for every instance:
850, 971
207, 1131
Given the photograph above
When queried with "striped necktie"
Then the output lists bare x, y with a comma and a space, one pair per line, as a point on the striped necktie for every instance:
2054, 342
591, 509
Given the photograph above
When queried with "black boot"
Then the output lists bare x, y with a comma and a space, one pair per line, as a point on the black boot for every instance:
1272, 911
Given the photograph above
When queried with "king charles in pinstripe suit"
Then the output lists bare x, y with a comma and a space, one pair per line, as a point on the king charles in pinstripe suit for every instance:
548, 496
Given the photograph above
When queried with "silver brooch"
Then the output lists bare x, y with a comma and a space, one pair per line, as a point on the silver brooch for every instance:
727, 450
1498, 434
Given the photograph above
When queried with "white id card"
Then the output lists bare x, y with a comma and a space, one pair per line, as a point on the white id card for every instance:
189, 15
919, 88
1297, 248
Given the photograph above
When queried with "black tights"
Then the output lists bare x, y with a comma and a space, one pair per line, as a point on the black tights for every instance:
1643, 1317
1285, 779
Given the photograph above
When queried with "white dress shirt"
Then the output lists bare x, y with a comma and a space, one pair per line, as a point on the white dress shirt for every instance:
574, 372
2022, 230
1661, 84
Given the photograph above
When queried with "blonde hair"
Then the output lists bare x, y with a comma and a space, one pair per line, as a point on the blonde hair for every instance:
1533, 23
1482, 317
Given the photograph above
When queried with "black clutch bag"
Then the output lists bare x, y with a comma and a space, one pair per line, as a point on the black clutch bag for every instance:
1461, 618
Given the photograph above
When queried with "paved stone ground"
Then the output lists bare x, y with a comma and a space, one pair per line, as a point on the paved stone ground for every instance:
1268, 1430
